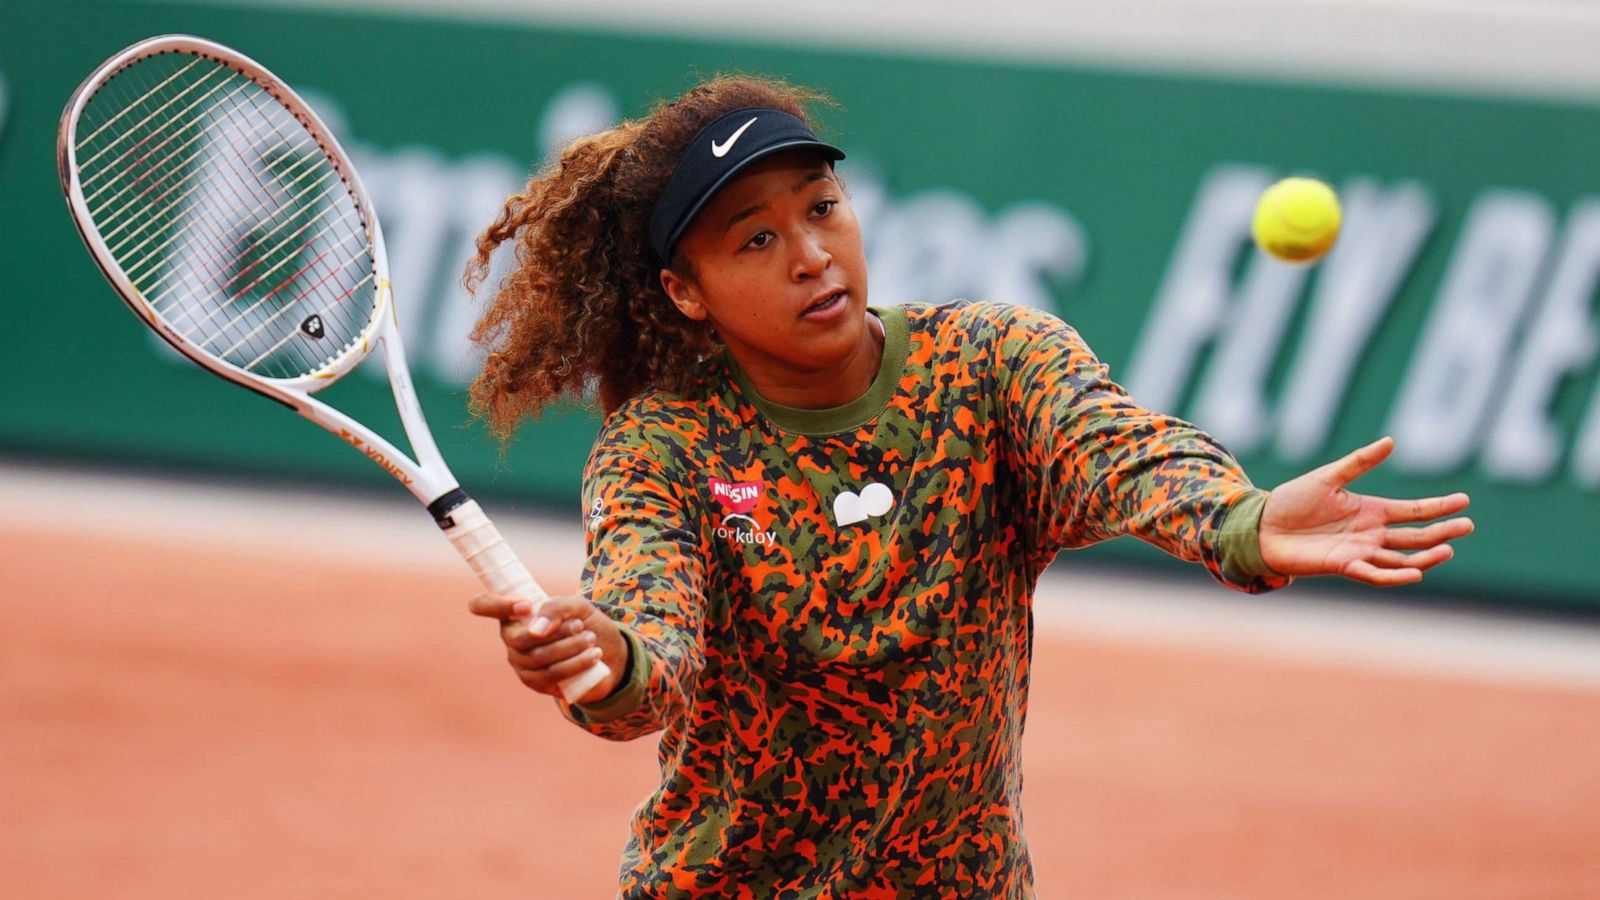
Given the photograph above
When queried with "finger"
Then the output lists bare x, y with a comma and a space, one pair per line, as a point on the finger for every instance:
1363, 571
515, 635
496, 606
1422, 560
1342, 471
554, 652
1425, 509
518, 633
1426, 536
539, 680
572, 665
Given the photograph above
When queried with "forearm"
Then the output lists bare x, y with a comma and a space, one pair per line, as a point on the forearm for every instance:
1171, 485
645, 570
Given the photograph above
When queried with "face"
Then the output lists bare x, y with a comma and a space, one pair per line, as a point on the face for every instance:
776, 266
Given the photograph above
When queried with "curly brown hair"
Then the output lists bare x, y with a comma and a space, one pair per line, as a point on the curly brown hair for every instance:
583, 307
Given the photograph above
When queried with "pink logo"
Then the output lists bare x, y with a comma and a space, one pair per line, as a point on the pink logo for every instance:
736, 496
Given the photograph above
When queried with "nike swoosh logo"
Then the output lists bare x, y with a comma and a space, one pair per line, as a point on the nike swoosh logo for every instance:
721, 150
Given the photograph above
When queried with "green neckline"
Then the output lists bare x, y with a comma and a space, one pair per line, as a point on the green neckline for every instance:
852, 415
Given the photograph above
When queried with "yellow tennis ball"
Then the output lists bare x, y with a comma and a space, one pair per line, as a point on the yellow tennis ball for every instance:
1297, 219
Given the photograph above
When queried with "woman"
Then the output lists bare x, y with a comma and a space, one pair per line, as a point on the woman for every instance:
815, 526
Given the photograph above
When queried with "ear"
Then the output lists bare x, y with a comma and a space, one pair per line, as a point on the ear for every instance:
684, 293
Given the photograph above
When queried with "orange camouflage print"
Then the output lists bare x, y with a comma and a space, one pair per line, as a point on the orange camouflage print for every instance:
830, 612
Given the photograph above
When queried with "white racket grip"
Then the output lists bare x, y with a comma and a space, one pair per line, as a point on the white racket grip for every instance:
497, 566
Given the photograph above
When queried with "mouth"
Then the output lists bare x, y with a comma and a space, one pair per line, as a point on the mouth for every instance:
826, 303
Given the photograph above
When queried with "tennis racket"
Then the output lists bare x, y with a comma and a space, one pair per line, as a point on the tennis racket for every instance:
233, 224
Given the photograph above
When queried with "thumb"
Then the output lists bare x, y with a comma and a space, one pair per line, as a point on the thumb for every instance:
498, 606
1357, 463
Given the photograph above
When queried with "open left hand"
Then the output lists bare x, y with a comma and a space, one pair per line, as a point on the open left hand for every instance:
1313, 526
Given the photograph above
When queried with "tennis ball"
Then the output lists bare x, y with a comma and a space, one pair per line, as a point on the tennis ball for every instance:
1297, 219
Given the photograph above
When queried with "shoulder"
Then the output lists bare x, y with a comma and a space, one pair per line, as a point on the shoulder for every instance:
651, 419
655, 431
985, 325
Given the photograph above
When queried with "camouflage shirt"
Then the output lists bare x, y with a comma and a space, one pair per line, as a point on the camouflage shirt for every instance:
830, 611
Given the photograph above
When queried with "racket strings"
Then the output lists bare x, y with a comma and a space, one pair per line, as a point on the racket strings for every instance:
191, 330
184, 320
291, 335
144, 265
151, 221
109, 172
168, 168
253, 332
218, 204
339, 239
128, 131
207, 337
139, 268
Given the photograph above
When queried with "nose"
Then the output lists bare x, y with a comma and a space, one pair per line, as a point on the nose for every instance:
811, 258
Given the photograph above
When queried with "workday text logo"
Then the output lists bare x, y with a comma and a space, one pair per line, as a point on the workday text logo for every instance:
745, 530
737, 498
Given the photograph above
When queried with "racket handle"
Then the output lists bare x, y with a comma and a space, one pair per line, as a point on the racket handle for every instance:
497, 566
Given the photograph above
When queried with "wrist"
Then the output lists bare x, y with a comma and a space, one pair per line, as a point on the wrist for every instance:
1244, 546
617, 653
623, 688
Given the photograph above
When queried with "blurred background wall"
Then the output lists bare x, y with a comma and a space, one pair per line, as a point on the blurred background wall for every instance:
226, 673
1097, 160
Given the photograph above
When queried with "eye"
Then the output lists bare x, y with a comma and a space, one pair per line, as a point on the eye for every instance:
824, 207
761, 239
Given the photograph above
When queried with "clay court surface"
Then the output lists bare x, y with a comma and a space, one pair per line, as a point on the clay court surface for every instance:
220, 709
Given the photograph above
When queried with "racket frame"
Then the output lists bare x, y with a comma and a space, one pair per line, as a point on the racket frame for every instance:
425, 474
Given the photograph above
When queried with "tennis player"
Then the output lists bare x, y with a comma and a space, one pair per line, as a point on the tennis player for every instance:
815, 525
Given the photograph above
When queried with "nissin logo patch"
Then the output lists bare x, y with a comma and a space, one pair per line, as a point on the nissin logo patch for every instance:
736, 496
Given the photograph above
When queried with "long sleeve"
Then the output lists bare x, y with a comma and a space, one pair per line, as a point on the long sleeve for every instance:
1095, 465
645, 570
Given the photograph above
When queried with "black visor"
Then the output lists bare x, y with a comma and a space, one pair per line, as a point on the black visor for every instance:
717, 154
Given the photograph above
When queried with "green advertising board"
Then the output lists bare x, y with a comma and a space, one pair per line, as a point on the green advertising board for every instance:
1457, 311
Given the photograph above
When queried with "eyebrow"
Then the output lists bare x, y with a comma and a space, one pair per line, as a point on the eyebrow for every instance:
743, 214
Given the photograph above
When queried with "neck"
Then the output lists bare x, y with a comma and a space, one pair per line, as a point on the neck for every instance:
819, 389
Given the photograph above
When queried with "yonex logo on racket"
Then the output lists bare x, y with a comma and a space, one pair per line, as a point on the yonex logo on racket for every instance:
375, 455
312, 326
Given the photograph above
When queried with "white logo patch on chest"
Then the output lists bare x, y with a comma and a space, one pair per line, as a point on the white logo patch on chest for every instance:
874, 500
